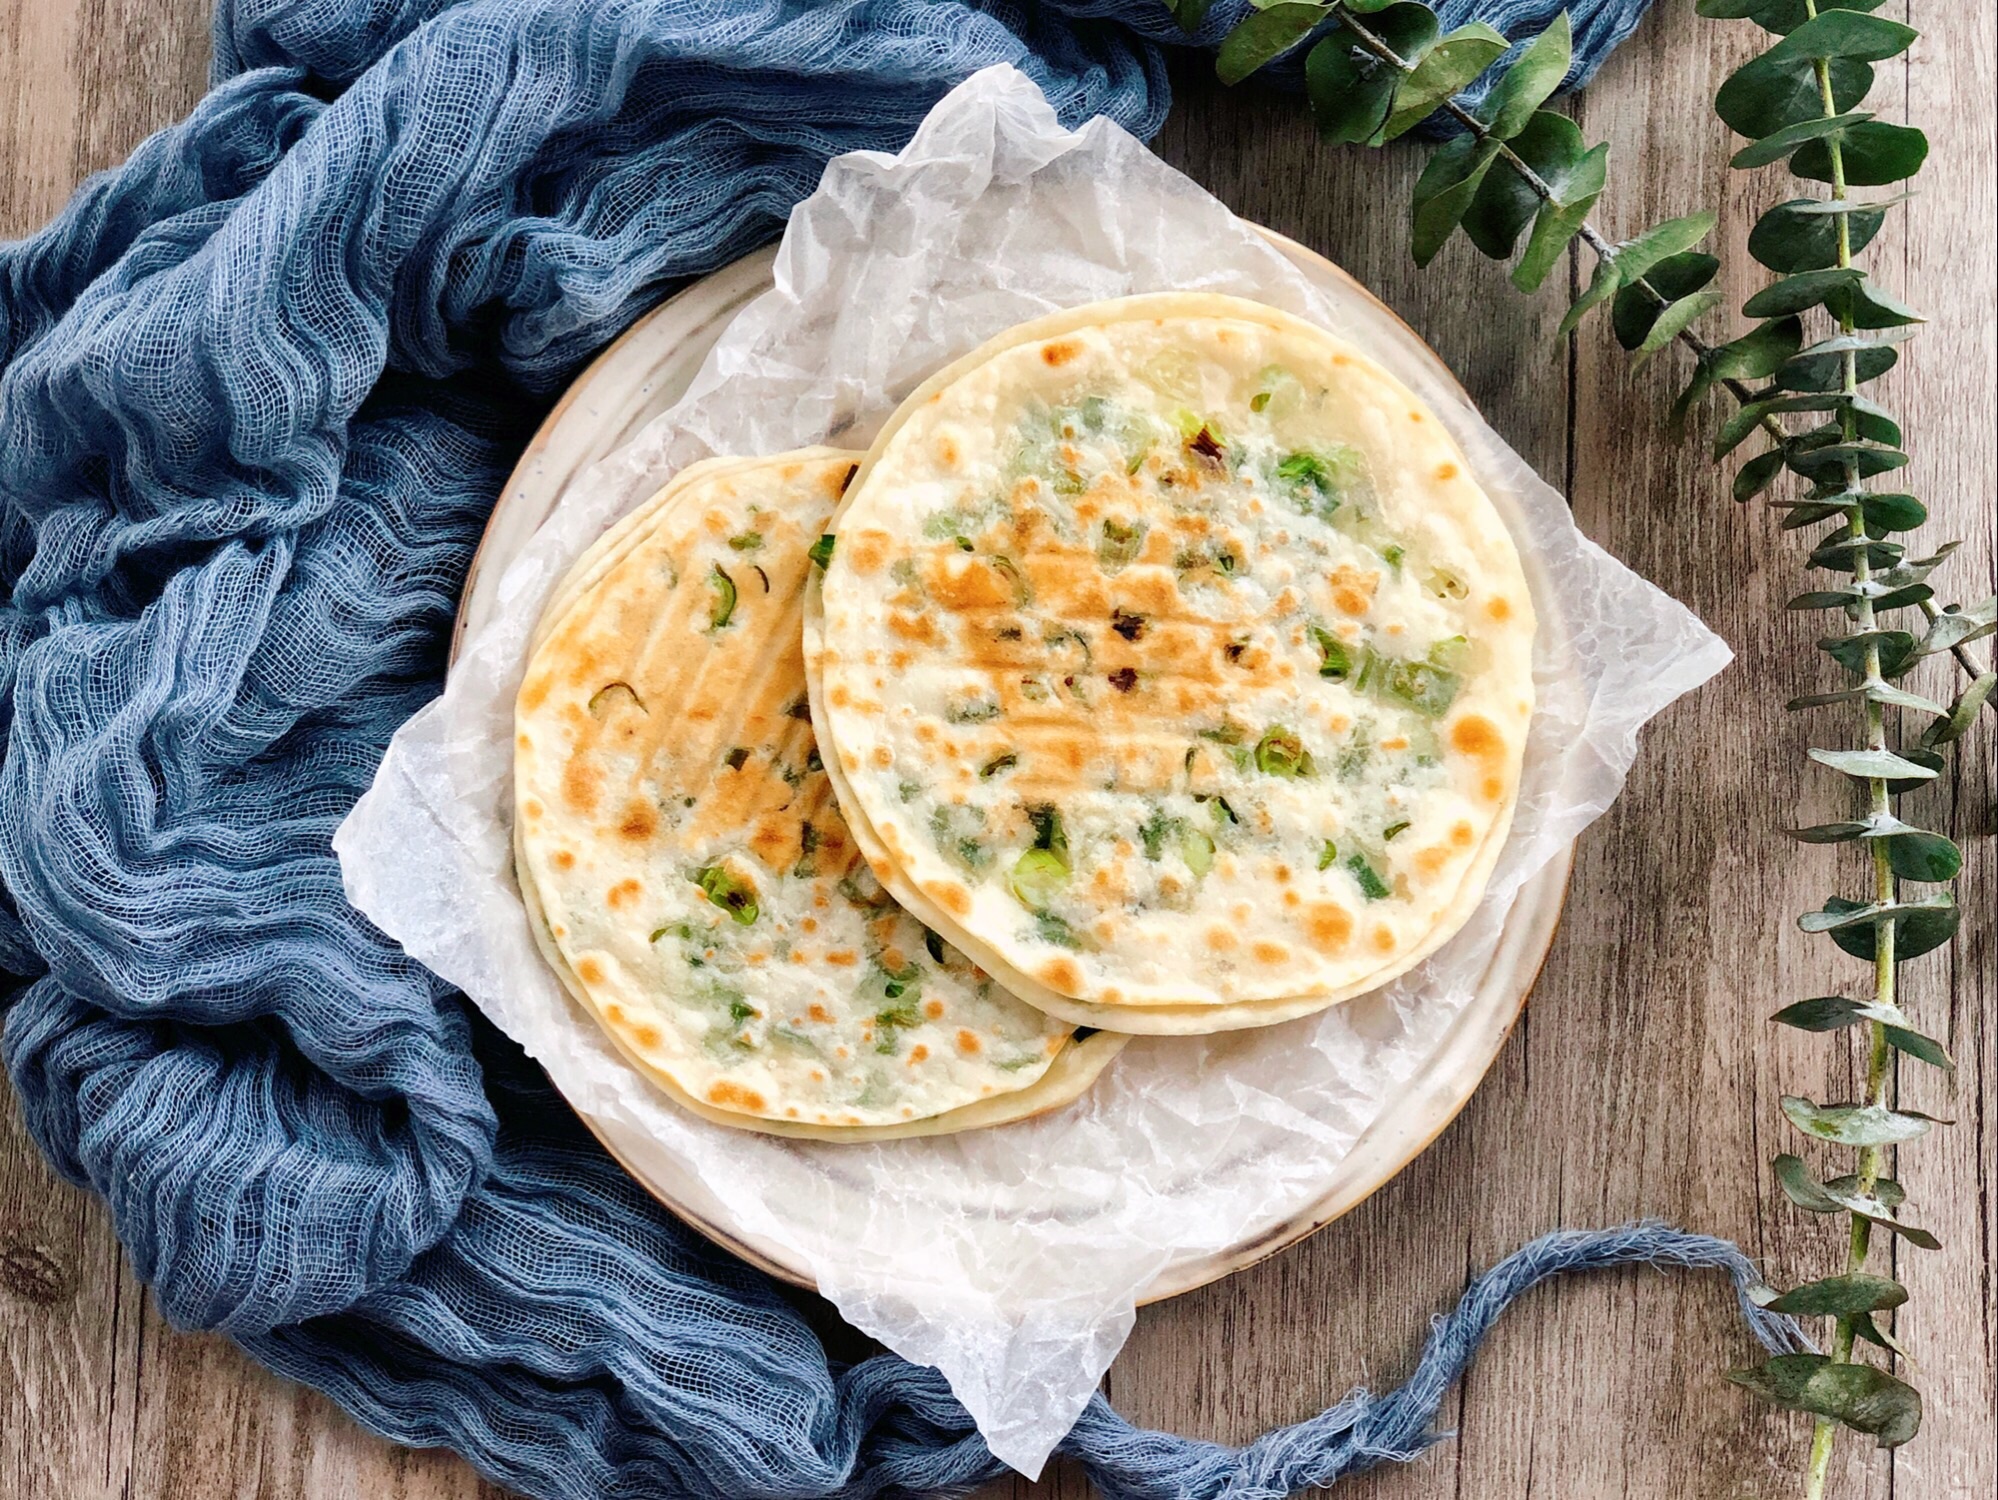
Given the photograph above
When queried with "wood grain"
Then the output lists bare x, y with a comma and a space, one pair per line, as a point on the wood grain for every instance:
1644, 1078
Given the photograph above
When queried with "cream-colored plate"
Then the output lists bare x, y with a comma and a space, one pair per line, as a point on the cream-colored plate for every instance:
643, 374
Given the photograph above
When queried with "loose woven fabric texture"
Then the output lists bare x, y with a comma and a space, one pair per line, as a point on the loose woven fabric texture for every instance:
258, 389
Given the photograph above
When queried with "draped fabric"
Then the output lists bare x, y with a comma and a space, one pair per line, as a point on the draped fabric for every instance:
258, 388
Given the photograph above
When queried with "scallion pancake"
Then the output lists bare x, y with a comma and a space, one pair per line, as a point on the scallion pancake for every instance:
687, 868
1174, 665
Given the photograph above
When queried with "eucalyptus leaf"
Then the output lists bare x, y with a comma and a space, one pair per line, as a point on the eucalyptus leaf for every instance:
1849, 34
1824, 599
1742, 422
1921, 855
1861, 1396
1834, 1013
1795, 294
1669, 281
1349, 97
1263, 36
1189, 13
1841, 551
1920, 927
1444, 72
1758, 474
1675, 320
1867, 764
1863, 459
1819, 369
1531, 80
1857, 1124
1760, 352
1779, 16
1847, 1195
1863, 1326
1841, 1296
1864, 305
1962, 713
1444, 192
1635, 257
1768, 93
1922, 756
1894, 650
1552, 146
1800, 236
1957, 626
1773, 148
1844, 914
1603, 285
1871, 155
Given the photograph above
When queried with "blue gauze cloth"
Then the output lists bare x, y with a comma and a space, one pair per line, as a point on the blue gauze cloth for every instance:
261, 384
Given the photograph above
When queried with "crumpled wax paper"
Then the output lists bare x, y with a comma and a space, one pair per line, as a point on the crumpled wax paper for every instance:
1011, 1259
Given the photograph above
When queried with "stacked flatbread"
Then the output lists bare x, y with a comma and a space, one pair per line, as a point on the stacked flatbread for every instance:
1167, 672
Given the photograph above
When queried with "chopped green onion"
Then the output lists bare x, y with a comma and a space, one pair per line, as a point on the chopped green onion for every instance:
1281, 753
735, 896
1005, 760
1394, 828
747, 541
724, 587
934, 945
1371, 885
1335, 662
1197, 849
603, 697
1326, 855
1038, 876
822, 550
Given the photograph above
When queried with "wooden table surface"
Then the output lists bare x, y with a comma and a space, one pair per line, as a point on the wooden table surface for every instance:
1644, 1077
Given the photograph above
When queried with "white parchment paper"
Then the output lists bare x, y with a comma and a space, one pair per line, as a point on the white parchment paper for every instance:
1012, 1258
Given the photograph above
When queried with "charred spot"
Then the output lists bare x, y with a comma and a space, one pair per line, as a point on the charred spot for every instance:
849, 478
1009, 633
1127, 623
1124, 679
737, 758
1234, 649
802, 709
1206, 445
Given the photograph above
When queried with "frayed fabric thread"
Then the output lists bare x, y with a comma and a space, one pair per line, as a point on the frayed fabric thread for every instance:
259, 386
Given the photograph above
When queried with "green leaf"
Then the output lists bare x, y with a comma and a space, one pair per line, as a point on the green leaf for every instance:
1444, 72
1863, 1397
1602, 286
1552, 146
1927, 759
1800, 236
1866, 764
1704, 380
1843, 1195
1760, 352
1835, 459
1957, 626
1768, 93
1896, 650
1795, 294
1189, 13
1758, 474
1831, 1013
1922, 855
1773, 148
1841, 915
1675, 320
1444, 191
1869, 692
1871, 154
1841, 1296
1849, 34
1962, 713
1891, 512
1856, 1124
1673, 279
1531, 80
1263, 36
1744, 420
1865, 305
1636, 257
1820, 369
1349, 97
1779, 16
1919, 927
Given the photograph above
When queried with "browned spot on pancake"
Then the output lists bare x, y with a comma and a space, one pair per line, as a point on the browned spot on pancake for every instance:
531, 809
838, 696
646, 1036
1291, 898
843, 958
1062, 975
534, 692
966, 585
1474, 734
865, 551
1446, 472
968, 1042
819, 1013
582, 783
623, 891
918, 1053
1060, 352
1383, 939
1431, 861
947, 451
524, 742
791, 1111
614, 1014
589, 971
1415, 416
927, 731
948, 894
1462, 834
1270, 953
919, 628
562, 859
1498, 607
734, 1096
882, 756
640, 822
1111, 995
934, 1009
1352, 589
1493, 789
1328, 925
1220, 939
